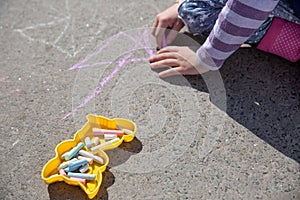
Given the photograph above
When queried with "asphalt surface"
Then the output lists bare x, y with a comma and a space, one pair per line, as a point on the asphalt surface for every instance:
232, 134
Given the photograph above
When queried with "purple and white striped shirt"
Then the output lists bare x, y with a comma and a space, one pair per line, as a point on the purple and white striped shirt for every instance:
238, 20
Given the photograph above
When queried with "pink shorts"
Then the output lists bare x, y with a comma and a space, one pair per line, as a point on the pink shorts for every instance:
282, 39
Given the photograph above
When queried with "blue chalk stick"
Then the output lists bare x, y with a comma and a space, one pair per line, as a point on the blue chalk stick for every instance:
88, 142
74, 151
81, 175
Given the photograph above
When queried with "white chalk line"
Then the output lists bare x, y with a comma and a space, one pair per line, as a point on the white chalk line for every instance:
69, 24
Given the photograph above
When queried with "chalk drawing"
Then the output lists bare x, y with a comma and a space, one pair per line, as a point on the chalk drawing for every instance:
3, 79
67, 20
140, 43
8, 92
115, 53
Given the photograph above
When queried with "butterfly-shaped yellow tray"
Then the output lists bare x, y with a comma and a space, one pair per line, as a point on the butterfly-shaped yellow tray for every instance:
50, 173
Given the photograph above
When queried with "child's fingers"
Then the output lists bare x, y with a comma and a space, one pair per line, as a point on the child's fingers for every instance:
162, 56
154, 26
158, 30
170, 72
164, 63
168, 49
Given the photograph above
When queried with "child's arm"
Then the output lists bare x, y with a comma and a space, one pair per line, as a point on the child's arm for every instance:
237, 21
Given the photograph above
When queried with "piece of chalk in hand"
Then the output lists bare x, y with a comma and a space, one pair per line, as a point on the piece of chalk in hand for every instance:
164, 41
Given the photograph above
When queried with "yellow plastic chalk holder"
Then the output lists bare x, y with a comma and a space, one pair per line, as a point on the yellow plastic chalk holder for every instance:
50, 172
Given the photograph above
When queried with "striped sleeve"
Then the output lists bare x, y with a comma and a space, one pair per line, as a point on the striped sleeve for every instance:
237, 21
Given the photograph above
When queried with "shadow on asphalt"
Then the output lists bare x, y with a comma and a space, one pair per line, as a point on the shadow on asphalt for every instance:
262, 94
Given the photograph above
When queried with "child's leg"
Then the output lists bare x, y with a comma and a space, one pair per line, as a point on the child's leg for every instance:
200, 16
282, 39
284, 11
280, 34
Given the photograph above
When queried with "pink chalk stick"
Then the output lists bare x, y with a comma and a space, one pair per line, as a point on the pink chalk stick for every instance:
62, 172
90, 160
98, 131
81, 180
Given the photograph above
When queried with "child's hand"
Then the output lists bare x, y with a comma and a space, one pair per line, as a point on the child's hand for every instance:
182, 60
167, 19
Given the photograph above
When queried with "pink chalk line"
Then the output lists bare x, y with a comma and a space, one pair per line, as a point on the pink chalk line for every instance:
126, 59
10, 92
147, 47
4, 80
132, 60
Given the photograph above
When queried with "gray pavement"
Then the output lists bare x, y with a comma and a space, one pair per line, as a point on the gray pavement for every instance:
232, 134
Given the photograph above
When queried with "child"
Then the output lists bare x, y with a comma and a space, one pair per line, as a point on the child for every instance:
228, 24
